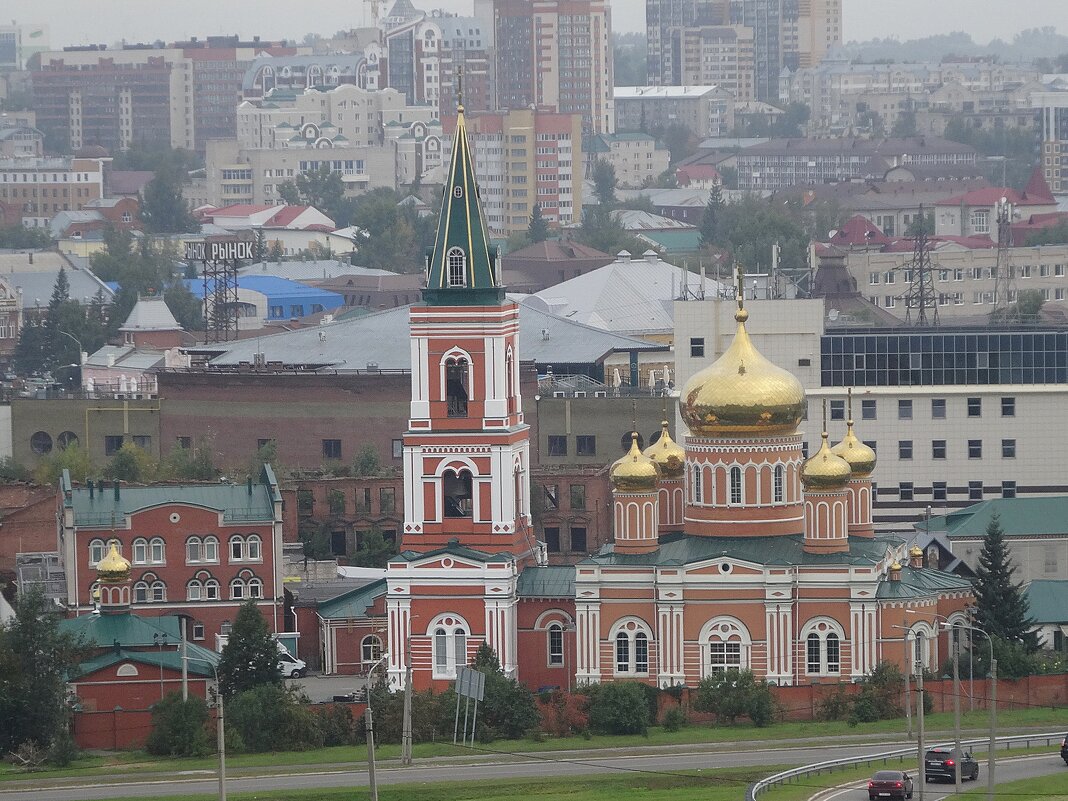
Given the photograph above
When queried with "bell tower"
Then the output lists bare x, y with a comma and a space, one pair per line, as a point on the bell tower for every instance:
467, 450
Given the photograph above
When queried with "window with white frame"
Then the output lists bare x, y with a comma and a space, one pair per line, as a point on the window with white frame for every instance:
97, 549
370, 649
194, 590
698, 484
194, 550
211, 549
140, 551
736, 485
450, 646
456, 263
211, 590
632, 649
159, 591
157, 551
253, 551
140, 592
237, 548
237, 589
726, 646
823, 648
555, 645
779, 482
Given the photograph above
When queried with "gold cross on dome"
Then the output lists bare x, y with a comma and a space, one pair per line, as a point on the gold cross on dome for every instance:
739, 280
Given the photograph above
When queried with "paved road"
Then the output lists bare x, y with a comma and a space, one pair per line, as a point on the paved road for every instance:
1007, 771
540, 765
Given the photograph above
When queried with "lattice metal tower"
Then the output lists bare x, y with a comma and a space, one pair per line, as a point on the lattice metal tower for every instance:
921, 302
220, 300
1004, 271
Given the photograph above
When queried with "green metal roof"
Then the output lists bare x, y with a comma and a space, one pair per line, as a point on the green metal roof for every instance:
234, 501
922, 583
126, 629
462, 229
170, 659
1047, 600
352, 604
554, 581
1020, 517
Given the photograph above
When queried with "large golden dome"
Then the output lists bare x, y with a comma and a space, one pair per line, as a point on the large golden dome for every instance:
113, 568
635, 472
667, 454
742, 393
825, 470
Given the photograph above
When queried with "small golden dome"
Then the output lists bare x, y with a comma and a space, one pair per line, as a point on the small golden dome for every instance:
742, 393
825, 470
861, 458
896, 567
635, 472
113, 568
915, 550
667, 454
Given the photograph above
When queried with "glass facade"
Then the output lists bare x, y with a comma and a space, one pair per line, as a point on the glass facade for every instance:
945, 358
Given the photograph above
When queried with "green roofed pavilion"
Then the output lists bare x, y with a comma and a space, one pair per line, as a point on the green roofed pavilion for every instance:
462, 267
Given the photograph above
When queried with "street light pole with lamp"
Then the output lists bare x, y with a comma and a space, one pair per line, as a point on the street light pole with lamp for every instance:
990, 766
220, 723
956, 694
920, 744
372, 781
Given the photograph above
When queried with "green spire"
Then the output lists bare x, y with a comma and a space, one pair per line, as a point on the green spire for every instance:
461, 267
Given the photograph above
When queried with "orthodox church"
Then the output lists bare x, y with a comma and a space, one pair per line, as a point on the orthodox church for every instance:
731, 550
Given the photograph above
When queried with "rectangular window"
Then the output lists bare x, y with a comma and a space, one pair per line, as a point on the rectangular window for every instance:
578, 539
1008, 407
904, 449
398, 448
837, 410
622, 654
335, 500
904, 410
641, 654
1008, 449
387, 500
938, 490
938, 449
904, 491
185, 443
1008, 489
725, 655
112, 444
586, 445
938, 408
552, 539
975, 407
331, 449
362, 499
975, 449
697, 347
557, 445
867, 410
1049, 559
198, 631
552, 496
578, 496
556, 645
975, 490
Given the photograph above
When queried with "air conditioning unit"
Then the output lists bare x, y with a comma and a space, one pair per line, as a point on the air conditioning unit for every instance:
580, 394
559, 394
601, 393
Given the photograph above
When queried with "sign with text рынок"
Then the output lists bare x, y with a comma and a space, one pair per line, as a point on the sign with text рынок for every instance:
229, 250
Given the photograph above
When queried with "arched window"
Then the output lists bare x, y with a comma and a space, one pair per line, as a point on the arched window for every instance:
370, 649
834, 653
194, 590
457, 493
211, 549
555, 644
814, 656
698, 484
253, 552
632, 647
641, 653
254, 587
157, 551
237, 548
622, 652
456, 262
194, 551
457, 386
237, 589
727, 645
450, 646
778, 484
140, 551
736, 485
211, 590
140, 592
97, 550
159, 591
823, 647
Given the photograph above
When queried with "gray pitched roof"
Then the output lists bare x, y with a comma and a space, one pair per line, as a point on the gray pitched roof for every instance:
150, 314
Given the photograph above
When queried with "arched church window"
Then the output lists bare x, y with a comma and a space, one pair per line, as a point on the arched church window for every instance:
556, 644
450, 648
456, 489
736, 485
698, 484
457, 267
779, 482
823, 648
456, 386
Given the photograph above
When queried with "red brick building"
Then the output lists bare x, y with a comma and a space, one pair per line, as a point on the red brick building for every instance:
198, 550
28, 515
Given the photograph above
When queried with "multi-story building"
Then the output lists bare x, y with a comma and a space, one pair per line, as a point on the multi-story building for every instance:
637, 157
715, 55
557, 55
1052, 106
20, 141
662, 19
143, 95
525, 158
43, 187
18, 43
294, 74
707, 111
198, 550
818, 27
781, 163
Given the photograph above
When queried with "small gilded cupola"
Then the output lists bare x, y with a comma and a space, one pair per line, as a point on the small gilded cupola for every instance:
861, 460
462, 269
825, 477
635, 500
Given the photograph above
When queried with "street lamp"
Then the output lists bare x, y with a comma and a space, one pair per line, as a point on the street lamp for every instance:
77, 342
993, 708
956, 694
369, 728
220, 723
920, 749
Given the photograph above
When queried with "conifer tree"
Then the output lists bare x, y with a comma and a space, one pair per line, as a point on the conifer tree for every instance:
1001, 606
250, 657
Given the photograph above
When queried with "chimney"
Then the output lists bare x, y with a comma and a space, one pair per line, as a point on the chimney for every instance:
895, 572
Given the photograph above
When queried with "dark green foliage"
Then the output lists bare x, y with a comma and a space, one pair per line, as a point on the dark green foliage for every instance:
432, 715
731, 694
187, 308
1000, 604
19, 236
321, 188
163, 208
63, 750
789, 125
604, 182
250, 658
538, 230
373, 549
392, 237
316, 538
190, 464
677, 138
51, 340
12, 472
674, 719
905, 125
748, 229
337, 725
1028, 306
179, 728
919, 225
834, 706
35, 657
712, 218
270, 717
629, 52
508, 710
1054, 235
880, 695
1018, 147
619, 707
367, 462
602, 231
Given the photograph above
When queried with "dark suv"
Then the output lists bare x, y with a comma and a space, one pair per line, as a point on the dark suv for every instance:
1064, 749
940, 763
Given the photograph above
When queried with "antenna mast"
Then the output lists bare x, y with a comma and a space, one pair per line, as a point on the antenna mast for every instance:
920, 299
1004, 271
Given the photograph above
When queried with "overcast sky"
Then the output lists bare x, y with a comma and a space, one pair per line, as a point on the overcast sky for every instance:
92, 21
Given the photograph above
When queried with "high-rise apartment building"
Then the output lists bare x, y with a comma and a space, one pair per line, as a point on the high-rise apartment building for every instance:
555, 54
662, 18
715, 55
1052, 108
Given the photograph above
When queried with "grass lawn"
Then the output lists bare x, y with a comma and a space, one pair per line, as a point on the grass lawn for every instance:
138, 762
1040, 788
721, 784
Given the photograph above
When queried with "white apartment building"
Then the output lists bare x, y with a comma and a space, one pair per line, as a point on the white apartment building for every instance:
637, 157
43, 187
708, 111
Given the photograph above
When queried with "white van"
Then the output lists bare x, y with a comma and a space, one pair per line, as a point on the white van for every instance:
289, 666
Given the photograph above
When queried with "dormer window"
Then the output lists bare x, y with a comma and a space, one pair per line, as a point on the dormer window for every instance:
456, 262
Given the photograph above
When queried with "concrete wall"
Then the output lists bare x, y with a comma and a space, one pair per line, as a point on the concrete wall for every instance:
90, 420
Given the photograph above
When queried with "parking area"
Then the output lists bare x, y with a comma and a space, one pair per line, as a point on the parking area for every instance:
324, 688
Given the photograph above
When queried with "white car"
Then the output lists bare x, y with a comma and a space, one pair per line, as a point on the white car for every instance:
289, 666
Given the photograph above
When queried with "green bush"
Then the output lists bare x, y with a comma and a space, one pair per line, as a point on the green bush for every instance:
880, 695
674, 719
179, 728
619, 708
63, 750
337, 725
730, 694
834, 706
274, 718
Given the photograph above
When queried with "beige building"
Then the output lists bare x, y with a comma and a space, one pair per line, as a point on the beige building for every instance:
43, 187
817, 28
1052, 106
637, 157
717, 55
708, 111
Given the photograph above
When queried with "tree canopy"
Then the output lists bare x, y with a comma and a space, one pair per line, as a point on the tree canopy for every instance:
250, 657
1000, 604
321, 188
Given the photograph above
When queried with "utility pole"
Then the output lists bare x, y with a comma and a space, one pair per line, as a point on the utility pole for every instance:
919, 718
220, 733
956, 707
406, 729
185, 666
993, 723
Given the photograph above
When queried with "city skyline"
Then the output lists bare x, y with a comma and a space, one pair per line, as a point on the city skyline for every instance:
114, 20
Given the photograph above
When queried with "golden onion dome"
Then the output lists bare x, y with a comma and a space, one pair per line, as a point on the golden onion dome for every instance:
896, 567
742, 393
915, 551
861, 458
825, 470
667, 454
113, 568
634, 472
